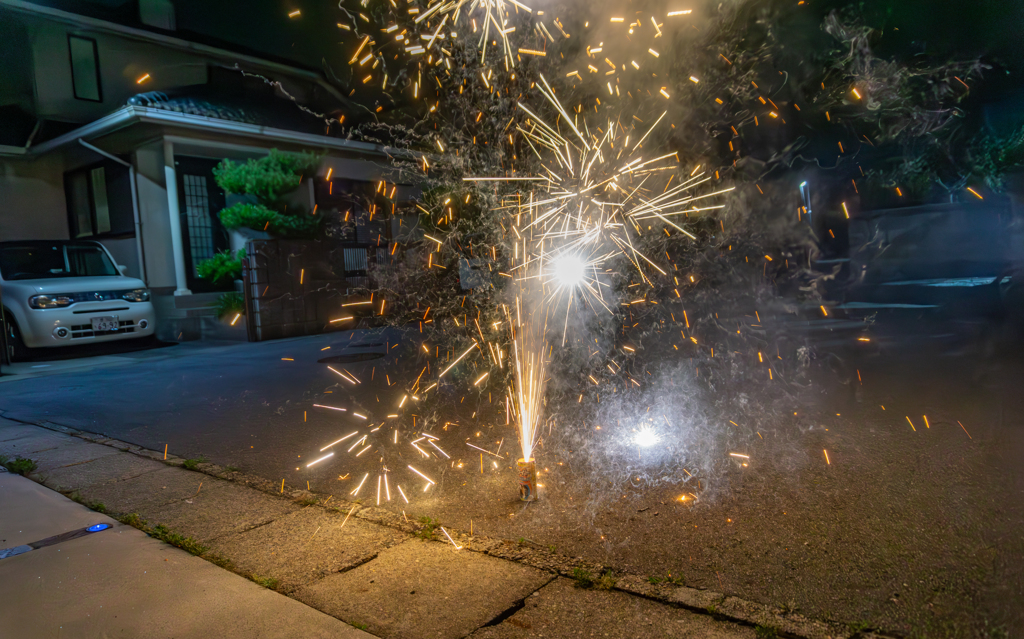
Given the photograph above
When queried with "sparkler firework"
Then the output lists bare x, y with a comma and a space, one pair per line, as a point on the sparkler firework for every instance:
589, 215
592, 194
590, 186
579, 260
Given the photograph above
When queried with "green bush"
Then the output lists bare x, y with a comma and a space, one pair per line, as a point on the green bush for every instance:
260, 217
222, 268
266, 178
230, 304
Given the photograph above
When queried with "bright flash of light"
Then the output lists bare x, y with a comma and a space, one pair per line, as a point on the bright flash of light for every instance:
568, 270
646, 438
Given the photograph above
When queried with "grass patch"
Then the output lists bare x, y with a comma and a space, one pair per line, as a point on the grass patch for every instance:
766, 632
267, 582
217, 560
19, 465
163, 533
428, 526
996, 632
98, 506
606, 581
308, 501
582, 577
133, 520
193, 464
232, 469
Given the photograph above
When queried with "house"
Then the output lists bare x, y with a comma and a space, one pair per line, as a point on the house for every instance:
110, 131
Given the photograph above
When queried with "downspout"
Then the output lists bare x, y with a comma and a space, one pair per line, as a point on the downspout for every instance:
32, 136
135, 205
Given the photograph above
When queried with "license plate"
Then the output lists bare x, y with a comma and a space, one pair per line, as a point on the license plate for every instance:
105, 323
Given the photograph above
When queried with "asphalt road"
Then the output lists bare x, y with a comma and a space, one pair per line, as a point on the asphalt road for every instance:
840, 500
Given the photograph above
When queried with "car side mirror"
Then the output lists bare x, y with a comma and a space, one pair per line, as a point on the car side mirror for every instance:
121, 268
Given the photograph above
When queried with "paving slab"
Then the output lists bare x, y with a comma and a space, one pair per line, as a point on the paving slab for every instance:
103, 470
50, 453
26, 513
146, 493
420, 590
560, 609
28, 443
121, 584
14, 430
223, 509
305, 546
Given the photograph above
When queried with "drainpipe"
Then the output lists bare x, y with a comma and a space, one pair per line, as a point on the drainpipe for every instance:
135, 205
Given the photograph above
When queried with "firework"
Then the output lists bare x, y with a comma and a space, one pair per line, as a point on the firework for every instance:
578, 225
585, 216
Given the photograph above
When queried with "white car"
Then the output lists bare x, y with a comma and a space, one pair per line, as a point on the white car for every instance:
67, 292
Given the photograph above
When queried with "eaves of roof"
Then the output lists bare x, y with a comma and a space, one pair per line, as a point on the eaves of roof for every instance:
130, 115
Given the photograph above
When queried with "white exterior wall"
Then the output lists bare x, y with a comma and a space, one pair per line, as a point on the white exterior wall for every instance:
32, 204
153, 213
122, 61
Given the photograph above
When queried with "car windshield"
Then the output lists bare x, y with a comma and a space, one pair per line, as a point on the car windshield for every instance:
55, 260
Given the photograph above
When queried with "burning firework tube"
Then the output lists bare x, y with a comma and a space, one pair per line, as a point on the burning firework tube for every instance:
527, 479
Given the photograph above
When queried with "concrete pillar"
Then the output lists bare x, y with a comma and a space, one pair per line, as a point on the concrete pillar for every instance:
174, 211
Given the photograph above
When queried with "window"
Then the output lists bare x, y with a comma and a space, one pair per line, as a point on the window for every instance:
85, 69
98, 178
39, 260
99, 201
199, 218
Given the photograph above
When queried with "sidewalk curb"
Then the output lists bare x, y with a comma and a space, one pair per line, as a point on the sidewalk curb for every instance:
717, 605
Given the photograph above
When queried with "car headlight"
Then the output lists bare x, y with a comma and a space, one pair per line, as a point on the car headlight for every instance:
136, 295
50, 301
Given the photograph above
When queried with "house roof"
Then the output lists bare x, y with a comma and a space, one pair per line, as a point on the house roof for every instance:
238, 57
208, 101
204, 124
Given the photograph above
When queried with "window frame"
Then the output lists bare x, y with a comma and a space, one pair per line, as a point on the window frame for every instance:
96, 68
72, 219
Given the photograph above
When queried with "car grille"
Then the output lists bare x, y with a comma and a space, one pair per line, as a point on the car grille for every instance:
85, 330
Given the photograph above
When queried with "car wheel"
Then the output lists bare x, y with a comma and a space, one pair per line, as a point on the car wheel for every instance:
16, 350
